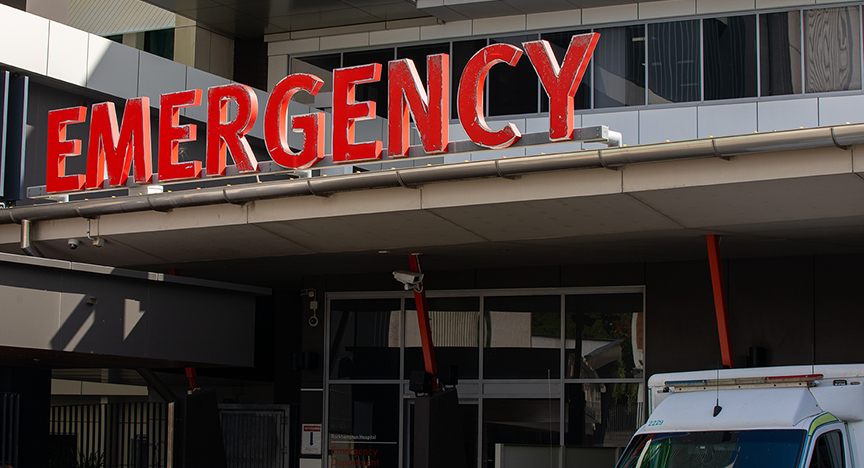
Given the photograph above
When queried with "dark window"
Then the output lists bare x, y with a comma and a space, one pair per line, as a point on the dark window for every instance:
321, 66
780, 51
559, 42
832, 56
419, 53
462, 52
828, 451
376, 91
160, 42
604, 336
365, 339
619, 67
523, 337
456, 334
115, 38
513, 90
673, 57
730, 57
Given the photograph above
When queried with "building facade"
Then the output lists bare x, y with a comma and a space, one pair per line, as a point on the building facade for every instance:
560, 275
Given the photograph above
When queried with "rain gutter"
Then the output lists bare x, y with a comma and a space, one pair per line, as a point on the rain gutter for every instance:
842, 137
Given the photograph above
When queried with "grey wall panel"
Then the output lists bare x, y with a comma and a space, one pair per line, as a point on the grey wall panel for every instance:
726, 119
31, 307
25, 40
660, 125
841, 110
626, 122
67, 54
157, 76
787, 115
208, 325
112, 68
49, 307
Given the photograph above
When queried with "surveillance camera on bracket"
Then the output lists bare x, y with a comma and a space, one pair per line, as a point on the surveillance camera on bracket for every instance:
409, 279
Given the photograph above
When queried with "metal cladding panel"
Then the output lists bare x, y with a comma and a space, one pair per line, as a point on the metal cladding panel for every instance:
660, 125
788, 115
727, 119
841, 110
61, 310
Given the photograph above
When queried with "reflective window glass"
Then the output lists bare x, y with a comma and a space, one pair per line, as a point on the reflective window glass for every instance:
513, 90
602, 414
522, 337
365, 337
521, 432
730, 57
832, 49
604, 336
376, 91
456, 334
619, 67
674, 62
363, 426
559, 42
780, 53
462, 53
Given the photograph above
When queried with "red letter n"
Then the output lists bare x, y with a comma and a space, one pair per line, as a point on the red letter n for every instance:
431, 113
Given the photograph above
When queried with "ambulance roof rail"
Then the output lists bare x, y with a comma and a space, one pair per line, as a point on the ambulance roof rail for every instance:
786, 381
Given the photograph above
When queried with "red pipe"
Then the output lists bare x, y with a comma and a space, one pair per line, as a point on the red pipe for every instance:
720, 305
425, 327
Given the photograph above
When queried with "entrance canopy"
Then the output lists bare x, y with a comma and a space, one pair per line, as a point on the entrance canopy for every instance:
789, 202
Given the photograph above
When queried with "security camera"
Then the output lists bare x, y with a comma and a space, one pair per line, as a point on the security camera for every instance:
408, 278
73, 243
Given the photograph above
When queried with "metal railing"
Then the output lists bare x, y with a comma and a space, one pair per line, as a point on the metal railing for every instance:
9, 417
122, 435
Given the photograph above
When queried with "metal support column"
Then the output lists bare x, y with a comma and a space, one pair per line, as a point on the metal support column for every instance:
720, 305
425, 327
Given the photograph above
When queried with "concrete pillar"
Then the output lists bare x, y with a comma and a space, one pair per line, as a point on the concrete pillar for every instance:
205, 50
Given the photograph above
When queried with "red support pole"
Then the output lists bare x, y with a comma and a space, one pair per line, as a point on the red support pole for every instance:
720, 300
423, 320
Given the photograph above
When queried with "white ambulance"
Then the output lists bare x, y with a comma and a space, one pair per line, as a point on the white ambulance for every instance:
783, 417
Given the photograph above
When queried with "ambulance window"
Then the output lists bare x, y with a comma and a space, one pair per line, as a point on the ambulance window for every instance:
828, 451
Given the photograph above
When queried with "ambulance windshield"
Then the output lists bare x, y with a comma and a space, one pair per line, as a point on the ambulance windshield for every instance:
716, 449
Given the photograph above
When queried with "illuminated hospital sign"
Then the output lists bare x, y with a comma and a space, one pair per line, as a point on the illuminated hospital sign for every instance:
114, 150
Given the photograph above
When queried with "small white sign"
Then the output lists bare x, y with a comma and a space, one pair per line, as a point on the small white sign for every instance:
311, 442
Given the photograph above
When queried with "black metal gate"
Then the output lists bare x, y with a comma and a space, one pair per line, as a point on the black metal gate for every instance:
120, 435
256, 436
9, 416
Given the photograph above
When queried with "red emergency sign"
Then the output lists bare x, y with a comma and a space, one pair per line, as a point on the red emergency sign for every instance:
118, 150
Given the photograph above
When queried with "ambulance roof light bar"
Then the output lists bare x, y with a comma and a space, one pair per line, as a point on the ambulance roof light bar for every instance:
786, 381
